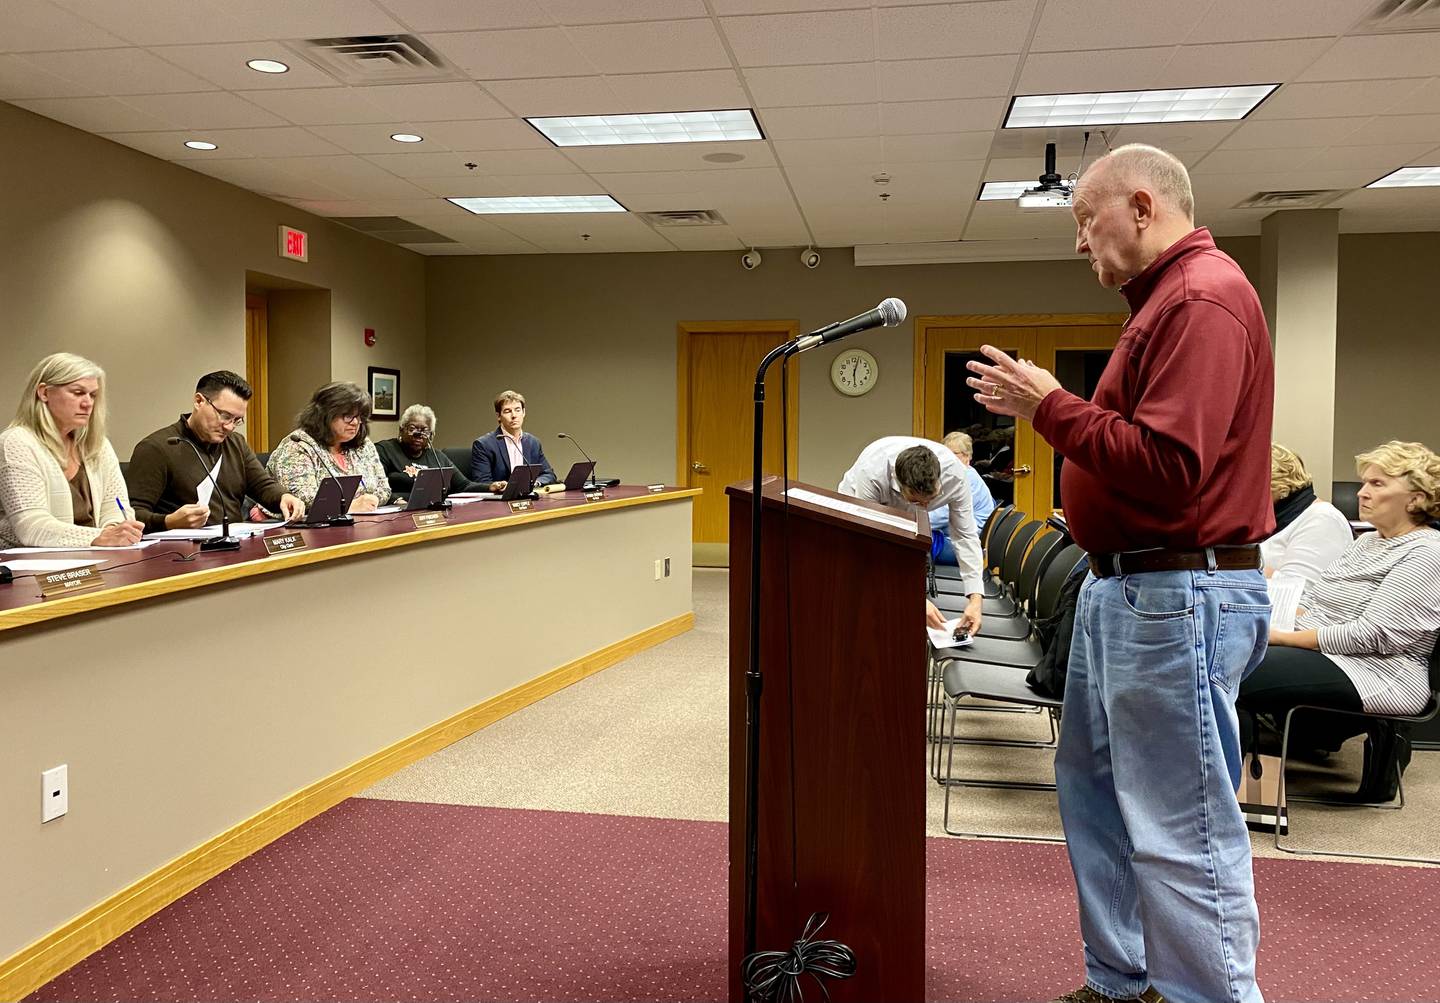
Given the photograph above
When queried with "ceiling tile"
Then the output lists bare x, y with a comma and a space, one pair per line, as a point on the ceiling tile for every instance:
422, 164
1352, 97
521, 162
122, 71
375, 139
168, 145
410, 209
528, 184
651, 46
352, 177
289, 141
1385, 129
621, 183
263, 177
1369, 57
604, 11
828, 151
321, 106
311, 19
963, 77
915, 117
694, 90
789, 39
784, 6
1093, 70
1424, 100
1246, 20
163, 22
790, 86
546, 96
822, 122
704, 238
1096, 24
1380, 159
957, 29
1177, 137
39, 26
95, 114
467, 15
1239, 63
1272, 134
207, 110
1252, 161
434, 102
224, 65
24, 78
486, 134
526, 52
937, 146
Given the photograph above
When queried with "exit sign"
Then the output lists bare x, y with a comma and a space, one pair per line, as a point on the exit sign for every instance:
294, 244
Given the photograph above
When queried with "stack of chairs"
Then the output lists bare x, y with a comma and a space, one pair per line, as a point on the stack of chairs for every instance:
1027, 564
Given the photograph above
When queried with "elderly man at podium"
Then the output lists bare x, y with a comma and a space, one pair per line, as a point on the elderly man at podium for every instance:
906, 472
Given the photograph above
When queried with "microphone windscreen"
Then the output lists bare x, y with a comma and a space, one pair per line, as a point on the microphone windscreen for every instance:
893, 310
174, 440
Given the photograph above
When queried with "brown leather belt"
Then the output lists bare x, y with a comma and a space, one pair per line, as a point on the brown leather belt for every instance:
1134, 562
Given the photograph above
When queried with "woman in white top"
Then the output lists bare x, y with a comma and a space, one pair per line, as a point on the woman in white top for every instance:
1367, 629
60, 483
1309, 532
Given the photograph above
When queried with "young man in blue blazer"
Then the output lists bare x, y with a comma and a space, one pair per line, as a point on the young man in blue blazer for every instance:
496, 453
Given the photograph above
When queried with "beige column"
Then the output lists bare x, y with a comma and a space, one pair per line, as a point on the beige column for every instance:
1300, 253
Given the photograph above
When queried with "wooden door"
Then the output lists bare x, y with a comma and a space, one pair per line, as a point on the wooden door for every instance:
715, 432
1074, 346
257, 371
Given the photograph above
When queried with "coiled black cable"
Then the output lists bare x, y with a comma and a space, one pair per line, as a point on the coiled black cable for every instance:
776, 976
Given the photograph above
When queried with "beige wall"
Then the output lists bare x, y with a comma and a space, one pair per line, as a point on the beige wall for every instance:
590, 340
140, 265
1387, 370
299, 346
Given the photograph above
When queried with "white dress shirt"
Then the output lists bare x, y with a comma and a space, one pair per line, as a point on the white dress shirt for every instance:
1306, 547
873, 478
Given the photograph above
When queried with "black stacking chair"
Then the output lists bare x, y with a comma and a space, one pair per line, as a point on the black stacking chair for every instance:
993, 551
1427, 714
1046, 545
460, 456
996, 517
1343, 495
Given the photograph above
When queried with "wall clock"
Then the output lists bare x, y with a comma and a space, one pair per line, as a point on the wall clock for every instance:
854, 372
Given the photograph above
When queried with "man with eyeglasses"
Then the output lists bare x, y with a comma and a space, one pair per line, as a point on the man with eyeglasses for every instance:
170, 485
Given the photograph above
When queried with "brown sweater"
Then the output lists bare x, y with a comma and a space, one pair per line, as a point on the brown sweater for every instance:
163, 477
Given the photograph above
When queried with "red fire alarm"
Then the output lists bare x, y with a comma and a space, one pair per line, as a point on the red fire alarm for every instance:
369, 337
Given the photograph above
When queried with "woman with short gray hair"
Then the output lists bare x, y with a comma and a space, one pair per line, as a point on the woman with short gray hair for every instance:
413, 450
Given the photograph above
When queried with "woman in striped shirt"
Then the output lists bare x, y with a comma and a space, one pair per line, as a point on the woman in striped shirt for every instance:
1366, 629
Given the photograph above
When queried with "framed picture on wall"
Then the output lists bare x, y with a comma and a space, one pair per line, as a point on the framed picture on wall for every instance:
384, 394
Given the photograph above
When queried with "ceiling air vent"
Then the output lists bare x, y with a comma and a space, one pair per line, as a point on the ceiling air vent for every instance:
394, 229
1396, 16
377, 59
1288, 200
683, 217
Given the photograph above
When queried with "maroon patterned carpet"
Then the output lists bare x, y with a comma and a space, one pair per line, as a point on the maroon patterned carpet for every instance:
383, 900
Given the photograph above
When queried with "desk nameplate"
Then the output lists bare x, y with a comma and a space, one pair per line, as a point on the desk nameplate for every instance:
425, 520
520, 505
284, 543
62, 583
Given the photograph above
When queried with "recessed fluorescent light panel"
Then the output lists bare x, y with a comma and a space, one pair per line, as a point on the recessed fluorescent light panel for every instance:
540, 203
1409, 177
1191, 104
267, 66
661, 127
999, 191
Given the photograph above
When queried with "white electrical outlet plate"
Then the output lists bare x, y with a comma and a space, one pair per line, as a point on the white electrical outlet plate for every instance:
55, 791
659, 569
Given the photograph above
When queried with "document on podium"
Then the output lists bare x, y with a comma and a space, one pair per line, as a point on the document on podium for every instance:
850, 508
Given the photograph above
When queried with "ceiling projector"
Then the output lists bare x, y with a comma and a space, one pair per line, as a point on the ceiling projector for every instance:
1053, 192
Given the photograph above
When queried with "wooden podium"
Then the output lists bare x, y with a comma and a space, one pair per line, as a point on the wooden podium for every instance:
842, 653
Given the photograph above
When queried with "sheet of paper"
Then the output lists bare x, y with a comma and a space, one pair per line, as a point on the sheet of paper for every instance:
1284, 600
470, 496
850, 508
240, 529
77, 550
944, 637
464, 501
44, 567
382, 510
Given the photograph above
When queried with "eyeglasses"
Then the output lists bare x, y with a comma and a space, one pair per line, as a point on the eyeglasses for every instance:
350, 419
416, 430
227, 419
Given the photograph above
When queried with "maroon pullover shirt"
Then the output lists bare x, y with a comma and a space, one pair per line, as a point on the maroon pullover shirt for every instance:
1174, 449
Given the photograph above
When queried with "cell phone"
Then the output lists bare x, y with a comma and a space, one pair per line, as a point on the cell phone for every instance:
961, 634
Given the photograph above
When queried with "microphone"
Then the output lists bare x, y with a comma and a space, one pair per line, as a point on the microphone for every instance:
890, 313
592, 484
224, 541
344, 518
444, 502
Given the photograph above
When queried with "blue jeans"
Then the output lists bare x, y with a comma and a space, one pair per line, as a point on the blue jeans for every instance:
1147, 769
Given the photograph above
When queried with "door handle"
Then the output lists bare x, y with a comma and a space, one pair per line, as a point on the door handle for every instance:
699, 467
1024, 471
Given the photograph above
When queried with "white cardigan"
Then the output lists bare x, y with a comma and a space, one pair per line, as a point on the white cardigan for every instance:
35, 509
1306, 547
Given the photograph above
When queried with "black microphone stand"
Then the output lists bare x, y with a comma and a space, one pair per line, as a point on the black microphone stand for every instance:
224, 541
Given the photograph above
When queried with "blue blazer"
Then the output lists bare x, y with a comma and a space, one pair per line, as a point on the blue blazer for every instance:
490, 460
